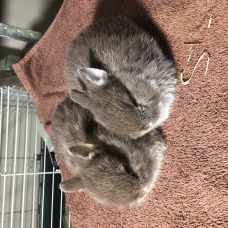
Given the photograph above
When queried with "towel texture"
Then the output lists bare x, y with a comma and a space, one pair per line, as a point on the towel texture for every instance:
192, 189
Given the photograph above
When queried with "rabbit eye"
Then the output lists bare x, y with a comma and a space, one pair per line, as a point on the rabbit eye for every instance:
134, 102
132, 99
130, 171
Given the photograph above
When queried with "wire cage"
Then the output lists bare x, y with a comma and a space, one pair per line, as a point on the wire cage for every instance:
29, 193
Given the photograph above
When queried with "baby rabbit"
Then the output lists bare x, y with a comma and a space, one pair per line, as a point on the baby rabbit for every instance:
116, 171
118, 72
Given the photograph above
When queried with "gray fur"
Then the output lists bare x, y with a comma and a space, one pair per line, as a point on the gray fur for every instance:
117, 171
135, 89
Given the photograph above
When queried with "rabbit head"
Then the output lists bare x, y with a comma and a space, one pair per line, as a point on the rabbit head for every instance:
111, 176
122, 111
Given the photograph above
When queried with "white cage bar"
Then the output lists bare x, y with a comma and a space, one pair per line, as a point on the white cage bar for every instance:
15, 160
23, 151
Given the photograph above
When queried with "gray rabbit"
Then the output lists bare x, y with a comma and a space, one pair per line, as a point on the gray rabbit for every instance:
117, 171
118, 72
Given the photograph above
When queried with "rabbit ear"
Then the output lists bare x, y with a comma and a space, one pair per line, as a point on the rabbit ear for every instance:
95, 76
72, 185
84, 151
79, 97
82, 154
